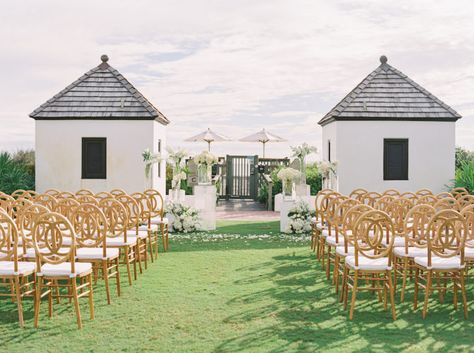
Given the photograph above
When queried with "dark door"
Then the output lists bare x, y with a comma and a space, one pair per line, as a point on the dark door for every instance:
241, 177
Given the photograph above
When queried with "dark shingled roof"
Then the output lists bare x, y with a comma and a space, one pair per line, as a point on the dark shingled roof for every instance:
388, 94
100, 94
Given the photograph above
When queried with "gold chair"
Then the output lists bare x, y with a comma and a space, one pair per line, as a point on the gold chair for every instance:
357, 193
103, 195
415, 242
157, 217
423, 192
117, 192
145, 206
65, 195
6, 203
52, 192
117, 237
317, 222
56, 265
391, 192
446, 237
370, 198
372, 259
427, 199
447, 203
458, 192
326, 230
46, 200
90, 199
410, 196
84, 192
17, 276
90, 225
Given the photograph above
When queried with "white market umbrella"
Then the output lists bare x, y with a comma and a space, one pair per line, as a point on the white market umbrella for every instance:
208, 136
263, 136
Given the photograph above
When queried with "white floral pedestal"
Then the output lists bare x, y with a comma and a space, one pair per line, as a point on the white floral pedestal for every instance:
177, 196
286, 205
205, 203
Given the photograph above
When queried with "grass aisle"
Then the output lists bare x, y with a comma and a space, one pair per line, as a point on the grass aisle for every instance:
241, 295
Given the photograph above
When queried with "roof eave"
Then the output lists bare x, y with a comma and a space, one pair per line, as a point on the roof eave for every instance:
327, 120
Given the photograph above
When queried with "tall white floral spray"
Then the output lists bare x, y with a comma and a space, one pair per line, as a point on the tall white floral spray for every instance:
301, 152
176, 159
328, 172
150, 159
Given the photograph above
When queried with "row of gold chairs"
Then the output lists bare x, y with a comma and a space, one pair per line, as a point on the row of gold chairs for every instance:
378, 239
55, 244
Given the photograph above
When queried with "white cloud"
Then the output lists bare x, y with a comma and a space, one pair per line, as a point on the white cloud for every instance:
235, 66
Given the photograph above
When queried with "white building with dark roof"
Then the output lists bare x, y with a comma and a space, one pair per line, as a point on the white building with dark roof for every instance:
389, 132
91, 135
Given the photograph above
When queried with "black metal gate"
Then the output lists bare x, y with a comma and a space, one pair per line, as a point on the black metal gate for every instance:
241, 177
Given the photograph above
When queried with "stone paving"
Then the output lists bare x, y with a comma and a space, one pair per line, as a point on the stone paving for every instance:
236, 209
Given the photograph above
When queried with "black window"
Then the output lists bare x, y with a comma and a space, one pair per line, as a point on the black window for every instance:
94, 158
329, 150
395, 159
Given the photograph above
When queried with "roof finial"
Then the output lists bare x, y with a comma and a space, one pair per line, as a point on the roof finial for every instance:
383, 59
104, 58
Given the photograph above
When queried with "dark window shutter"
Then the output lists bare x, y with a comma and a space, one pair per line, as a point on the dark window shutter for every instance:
395, 159
329, 150
94, 158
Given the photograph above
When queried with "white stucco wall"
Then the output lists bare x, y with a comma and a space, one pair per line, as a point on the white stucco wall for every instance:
59, 151
330, 134
359, 151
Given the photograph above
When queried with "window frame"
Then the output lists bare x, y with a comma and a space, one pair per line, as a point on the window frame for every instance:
405, 162
84, 172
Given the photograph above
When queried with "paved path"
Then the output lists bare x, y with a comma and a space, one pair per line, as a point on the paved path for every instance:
244, 210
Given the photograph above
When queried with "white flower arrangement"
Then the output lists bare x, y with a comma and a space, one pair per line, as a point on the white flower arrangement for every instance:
205, 158
301, 152
176, 182
185, 218
149, 159
288, 174
176, 157
300, 218
326, 168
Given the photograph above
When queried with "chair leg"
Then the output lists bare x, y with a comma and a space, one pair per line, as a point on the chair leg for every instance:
404, 279
91, 297
76, 302
463, 293
354, 294
117, 275
39, 281
336, 273
150, 246
427, 292
105, 274
19, 301
415, 300
127, 263
455, 288
138, 257
328, 265
391, 289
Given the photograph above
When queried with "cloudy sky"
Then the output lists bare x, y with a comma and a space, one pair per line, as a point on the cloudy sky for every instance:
235, 66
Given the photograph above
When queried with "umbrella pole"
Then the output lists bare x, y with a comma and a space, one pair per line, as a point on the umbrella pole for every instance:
263, 149
209, 146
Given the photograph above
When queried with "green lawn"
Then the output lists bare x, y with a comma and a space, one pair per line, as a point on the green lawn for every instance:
241, 295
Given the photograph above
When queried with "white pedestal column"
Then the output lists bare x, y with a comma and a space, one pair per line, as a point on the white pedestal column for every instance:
285, 207
177, 196
205, 203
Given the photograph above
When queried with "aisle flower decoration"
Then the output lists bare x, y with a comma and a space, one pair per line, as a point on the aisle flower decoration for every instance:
300, 218
288, 176
204, 162
149, 159
176, 158
328, 170
185, 219
301, 152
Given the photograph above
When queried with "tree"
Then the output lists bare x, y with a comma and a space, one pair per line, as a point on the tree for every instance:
463, 156
14, 175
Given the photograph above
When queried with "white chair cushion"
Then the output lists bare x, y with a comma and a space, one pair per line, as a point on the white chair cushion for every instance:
398, 241
469, 253
96, 253
64, 269
142, 234
440, 263
367, 264
332, 240
153, 227
341, 251
24, 268
31, 254
324, 233
158, 220
120, 241
412, 252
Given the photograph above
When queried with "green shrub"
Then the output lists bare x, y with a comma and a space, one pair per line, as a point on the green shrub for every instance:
313, 179
15, 174
169, 177
465, 177
463, 156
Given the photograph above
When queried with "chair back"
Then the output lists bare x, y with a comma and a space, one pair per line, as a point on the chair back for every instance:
342, 207
46, 200
157, 204
357, 193
465, 200
349, 220
410, 196
384, 202
116, 216
103, 195
443, 195
374, 235
52, 192
423, 192
84, 192
117, 192
87, 199
398, 210
90, 226
447, 232
133, 211
144, 204
458, 192
8, 240
447, 203
370, 198
6, 203
429, 199
26, 221
391, 192
65, 195
23, 194
468, 213
49, 233
66, 206
318, 200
